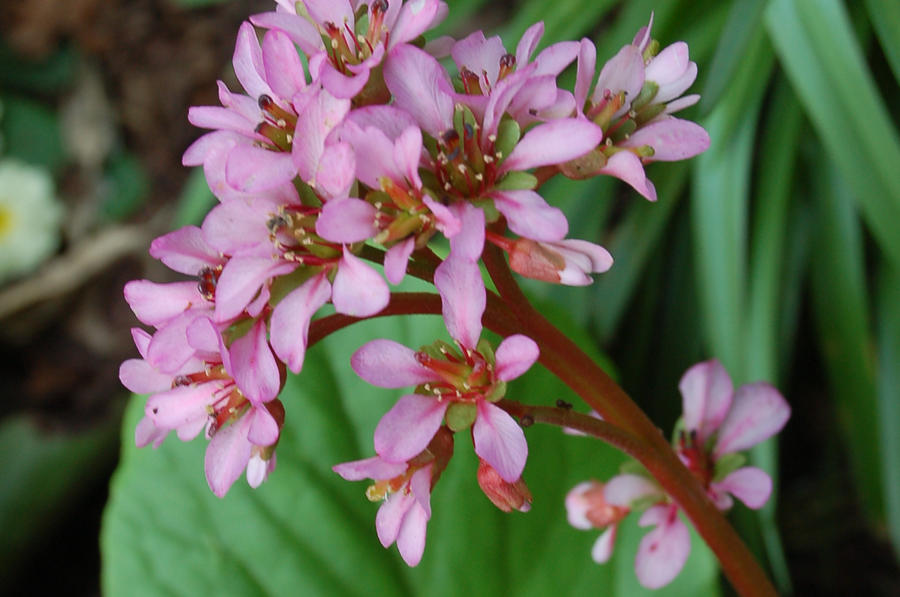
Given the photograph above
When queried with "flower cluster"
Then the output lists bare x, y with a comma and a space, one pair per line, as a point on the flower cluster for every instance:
366, 148
718, 424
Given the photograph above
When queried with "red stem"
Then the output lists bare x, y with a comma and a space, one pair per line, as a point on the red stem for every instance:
563, 358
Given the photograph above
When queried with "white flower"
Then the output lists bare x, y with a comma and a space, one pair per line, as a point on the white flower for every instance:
30, 218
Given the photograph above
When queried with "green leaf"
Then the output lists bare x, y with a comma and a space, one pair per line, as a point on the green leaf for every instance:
842, 318
889, 396
50, 75
31, 133
42, 472
815, 43
128, 186
195, 201
885, 17
719, 207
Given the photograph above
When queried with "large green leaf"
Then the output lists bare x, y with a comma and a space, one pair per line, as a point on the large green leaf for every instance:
306, 531
889, 396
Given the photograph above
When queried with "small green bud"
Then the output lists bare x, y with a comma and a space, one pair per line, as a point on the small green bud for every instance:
461, 415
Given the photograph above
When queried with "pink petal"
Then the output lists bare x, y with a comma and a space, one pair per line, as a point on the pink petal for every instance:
146, 433
668, 65
358, 289
624, 72
663, 551
405, 430
528, 215
420, 486
141, 341
414, 19
627, 167
337, 170
447, 223
253, 169
556, 57
336, 12
577, 505
253, 366
263, 427
463, 298
169, 350
248, 63
235, 225
258, 469
624, 490
397, 258
321, 114
340, 85
390, 516
411, 538
183, 408
421, 86
528, 43
241, 279
390, 120
587, 63
758, 412
706, 392
291, 317
603, 546
388, 364
227, 455
407, 154
347, 221
515, 355
216, 118
369, 468
671, 138
141, 377
553, 142
500, 441
751, 485
185, 251
300, 30
469, 242
284, 70
154, 304
480, 55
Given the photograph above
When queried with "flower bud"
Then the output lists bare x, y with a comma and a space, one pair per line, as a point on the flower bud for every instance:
506, 496
564, 262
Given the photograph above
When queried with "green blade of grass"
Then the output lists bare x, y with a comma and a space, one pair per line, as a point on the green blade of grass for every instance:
885, 18
815, 44
842, 317
733, 43
719, 205
889, 395
767, 264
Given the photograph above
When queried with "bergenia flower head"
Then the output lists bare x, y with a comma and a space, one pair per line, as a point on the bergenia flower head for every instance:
718, 424
346, 45
405, 491
632, 101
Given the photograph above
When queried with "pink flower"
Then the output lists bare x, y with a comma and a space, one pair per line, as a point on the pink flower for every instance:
344, 67
478, 160
738, 421
228, 391
567, 261
405, 488
460, 384
484, 63
718, 423
632, 100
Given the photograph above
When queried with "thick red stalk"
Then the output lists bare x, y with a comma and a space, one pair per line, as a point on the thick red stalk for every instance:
563, 358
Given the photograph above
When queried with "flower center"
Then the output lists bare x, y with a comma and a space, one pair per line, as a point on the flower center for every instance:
7, 220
